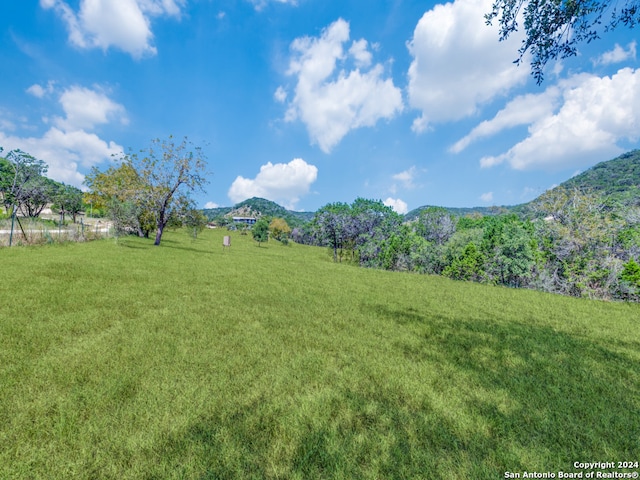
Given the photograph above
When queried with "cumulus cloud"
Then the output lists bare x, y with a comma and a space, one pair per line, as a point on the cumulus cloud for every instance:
407, 177
124, 24
522, 110
332, 100
39, 91
260, 4
280, 94
64, 152
487, 197
86, 108
211, 205
67, 147
593, 114
617, 55
458, 63
360, 52
398, 205
282, 182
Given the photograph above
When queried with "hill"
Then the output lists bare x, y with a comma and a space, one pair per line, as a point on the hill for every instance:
618, 178
260, 207
458, 211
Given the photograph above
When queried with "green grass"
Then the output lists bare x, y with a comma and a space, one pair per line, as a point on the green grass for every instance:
125, 360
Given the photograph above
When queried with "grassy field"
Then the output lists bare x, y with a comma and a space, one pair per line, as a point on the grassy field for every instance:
124, 360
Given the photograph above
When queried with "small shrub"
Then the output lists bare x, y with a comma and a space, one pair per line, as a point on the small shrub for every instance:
631, 273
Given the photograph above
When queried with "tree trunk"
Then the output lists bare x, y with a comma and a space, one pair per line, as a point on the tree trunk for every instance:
158, 236
160, 223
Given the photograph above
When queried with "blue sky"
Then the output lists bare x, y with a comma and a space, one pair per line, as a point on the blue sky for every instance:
313, 101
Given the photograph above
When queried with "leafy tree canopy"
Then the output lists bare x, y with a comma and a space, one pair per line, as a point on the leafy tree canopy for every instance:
554, 28
156, 182
279, 229
260, 231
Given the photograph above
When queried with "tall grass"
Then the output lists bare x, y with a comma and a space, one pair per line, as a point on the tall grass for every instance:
125, 360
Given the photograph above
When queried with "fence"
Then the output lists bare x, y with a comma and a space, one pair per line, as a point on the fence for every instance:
35, 232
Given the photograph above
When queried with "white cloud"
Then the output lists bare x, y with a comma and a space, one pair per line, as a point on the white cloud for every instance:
67, 146
86, 108
522, 110
39, 91
64, 152
407, 177
260, 4
361, 54
595, 113
487, 197
332, 101
617, 55
420, 124
280, 94
398, 205
458, 62
282, 182
211, 205
36, 91
124, 24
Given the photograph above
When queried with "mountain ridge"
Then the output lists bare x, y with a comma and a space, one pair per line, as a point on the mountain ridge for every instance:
618, 178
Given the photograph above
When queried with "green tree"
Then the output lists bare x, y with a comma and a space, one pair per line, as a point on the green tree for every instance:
260, 231
23, 183
332, 227
157, 181
195, 220
6, 180
509, 249
435, 224
67, 200
631, 273
576, 234
553, 29
402, 250
468, 266
280, 230
169, 172
120, 190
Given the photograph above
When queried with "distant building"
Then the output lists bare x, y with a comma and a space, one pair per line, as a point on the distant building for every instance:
247, 220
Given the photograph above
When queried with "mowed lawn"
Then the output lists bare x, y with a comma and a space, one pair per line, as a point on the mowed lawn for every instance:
124, 360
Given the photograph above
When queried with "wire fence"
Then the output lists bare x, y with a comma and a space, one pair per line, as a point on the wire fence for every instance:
27, 231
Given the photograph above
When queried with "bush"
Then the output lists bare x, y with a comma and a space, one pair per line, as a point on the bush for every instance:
631, 273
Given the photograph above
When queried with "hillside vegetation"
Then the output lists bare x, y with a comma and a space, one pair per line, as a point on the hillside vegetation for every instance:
260, 207
124, 360
618, 179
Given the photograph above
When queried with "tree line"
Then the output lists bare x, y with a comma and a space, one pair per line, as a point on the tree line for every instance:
25, 190
568, 241
572, 242
143, 193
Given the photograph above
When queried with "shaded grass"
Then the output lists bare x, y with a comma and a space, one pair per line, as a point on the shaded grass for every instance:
188, 361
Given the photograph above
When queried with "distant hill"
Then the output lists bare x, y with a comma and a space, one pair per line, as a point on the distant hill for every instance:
618, 178
260, 207
458, 212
